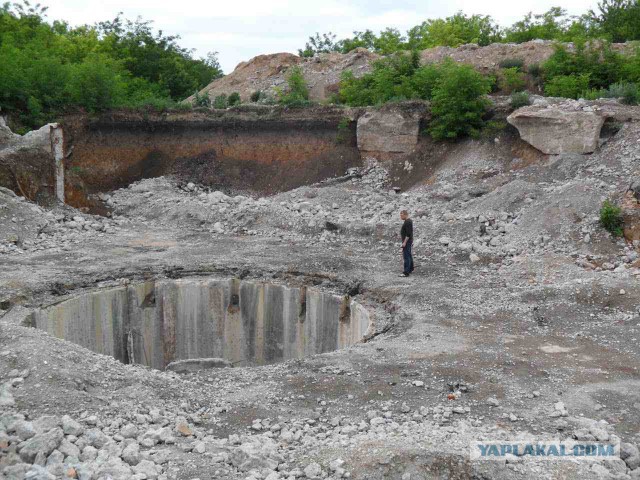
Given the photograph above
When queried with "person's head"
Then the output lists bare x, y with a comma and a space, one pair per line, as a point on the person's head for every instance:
404, 214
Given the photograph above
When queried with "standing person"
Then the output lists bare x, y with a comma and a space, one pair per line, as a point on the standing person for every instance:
406, 233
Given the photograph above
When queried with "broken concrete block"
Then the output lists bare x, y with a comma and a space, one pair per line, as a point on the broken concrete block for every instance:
388, 131
195, 364
554, 130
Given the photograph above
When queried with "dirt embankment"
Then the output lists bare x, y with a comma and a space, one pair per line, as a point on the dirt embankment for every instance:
26, 163
268, 73
263, 149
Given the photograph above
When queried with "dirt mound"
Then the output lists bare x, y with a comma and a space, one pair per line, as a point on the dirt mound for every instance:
267, 73
488, 59
259, 73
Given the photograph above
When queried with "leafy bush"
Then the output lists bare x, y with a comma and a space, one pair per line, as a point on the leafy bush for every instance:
611, 218
458, 104
519, 100
398, 77
220, 101
628, 92
257, 96
234, 99
535, 70
602, 65
493, 128
298, 92
631, 68
517, 63
96, 84
511, 80
595, 94
567, 86
203, 100
456, 91
183, 106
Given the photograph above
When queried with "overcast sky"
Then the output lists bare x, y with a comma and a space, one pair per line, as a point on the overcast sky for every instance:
241, 29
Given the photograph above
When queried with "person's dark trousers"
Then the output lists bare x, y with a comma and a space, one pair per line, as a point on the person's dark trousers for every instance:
408, 258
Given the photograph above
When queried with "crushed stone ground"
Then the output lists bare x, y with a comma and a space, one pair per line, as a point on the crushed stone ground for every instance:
522, 307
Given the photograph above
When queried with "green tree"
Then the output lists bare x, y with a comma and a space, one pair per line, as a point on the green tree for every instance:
155, 57
96, 84
454, 31
320, 44
298, 91
567, 86
364, 39
631, 68
595, 60
459, 103
48, 68
617, 20
389, 41
554, 24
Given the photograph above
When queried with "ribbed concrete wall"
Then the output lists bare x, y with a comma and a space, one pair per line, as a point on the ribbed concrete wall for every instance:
96, 320
247, 323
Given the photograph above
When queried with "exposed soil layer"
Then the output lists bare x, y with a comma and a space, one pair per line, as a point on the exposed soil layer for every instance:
265, 150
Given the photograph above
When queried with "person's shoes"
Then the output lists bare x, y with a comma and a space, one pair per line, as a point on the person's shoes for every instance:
403, 275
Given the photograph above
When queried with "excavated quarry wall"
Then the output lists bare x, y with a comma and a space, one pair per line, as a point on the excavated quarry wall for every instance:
262, 149
245, 322
30, 164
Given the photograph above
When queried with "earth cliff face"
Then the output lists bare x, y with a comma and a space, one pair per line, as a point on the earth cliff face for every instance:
26, 163
266, 149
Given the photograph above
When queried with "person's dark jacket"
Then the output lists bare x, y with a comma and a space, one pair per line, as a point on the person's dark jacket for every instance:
407, 230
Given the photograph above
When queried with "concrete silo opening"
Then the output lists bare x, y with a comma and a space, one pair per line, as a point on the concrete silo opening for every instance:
193, 323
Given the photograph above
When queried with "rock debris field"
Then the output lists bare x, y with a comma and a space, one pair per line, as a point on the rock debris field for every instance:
522, 321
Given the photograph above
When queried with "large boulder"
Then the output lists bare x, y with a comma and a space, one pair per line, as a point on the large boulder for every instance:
42, 443
555, 129
390, 131
255, 454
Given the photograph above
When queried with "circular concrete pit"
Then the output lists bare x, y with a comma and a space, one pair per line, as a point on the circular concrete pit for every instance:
245, 323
